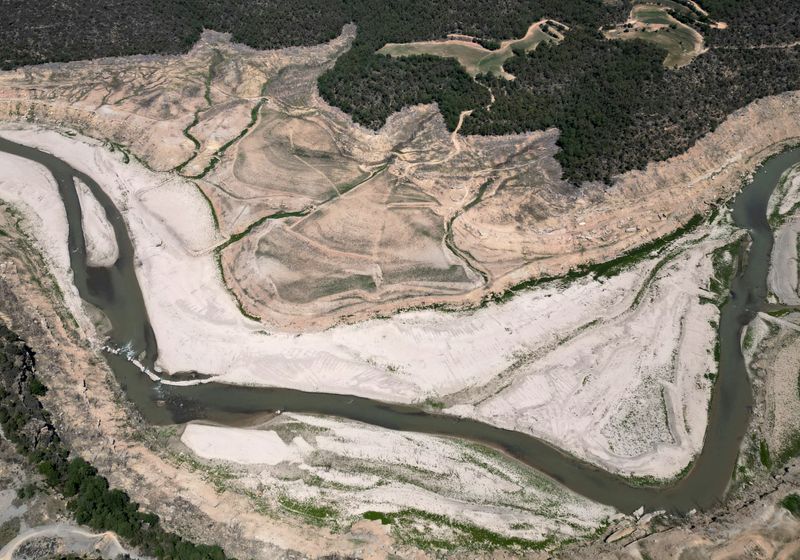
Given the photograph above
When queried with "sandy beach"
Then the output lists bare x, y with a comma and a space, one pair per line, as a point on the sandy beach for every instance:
101, 245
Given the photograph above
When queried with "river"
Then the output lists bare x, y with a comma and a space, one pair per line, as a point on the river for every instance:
116, 292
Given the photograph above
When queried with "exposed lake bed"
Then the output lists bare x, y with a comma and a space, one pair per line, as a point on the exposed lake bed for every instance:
204, 400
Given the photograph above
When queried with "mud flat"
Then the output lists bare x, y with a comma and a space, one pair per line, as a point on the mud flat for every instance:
189, 495
497, 348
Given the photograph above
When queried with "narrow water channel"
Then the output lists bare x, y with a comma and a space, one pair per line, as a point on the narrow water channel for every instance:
116, 292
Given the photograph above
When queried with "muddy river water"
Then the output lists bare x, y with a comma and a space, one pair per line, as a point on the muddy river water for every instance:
116, 292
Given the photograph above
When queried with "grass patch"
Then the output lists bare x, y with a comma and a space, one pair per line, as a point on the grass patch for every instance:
377, 516
653, 482
749, 338
9, 530
475, 57
790, 449
665, 28
28, 252
792, 504
432, 403
218, 475
307, 509
779, 312
409, 526
777, 218
764, 455
725, 261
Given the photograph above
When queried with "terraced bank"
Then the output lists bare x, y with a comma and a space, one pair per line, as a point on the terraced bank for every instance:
703, 485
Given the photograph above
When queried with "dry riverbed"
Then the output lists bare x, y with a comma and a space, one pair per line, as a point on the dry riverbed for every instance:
503, 363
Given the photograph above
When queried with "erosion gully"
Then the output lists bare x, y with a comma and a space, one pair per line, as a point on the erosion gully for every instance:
116, 292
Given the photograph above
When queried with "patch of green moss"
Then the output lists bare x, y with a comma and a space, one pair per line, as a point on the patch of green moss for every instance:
763, 454
792, 504
308, 509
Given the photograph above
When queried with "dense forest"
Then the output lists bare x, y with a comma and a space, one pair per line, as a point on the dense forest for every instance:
26, 423
616, 105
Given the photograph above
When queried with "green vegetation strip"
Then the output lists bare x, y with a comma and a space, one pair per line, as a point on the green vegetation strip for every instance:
212, 163
27, 251
607, 269
764, 455
725, 261
210, 206
92, 502
307, 509
792, 504
467, 535
236, 237
649, 481
193, 140
450, 242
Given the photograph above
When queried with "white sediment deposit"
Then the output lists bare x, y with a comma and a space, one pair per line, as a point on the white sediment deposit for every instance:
30, 191
356, 468
101, 244
783, 270
784, 214
605, 369
242, 446
630, 392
